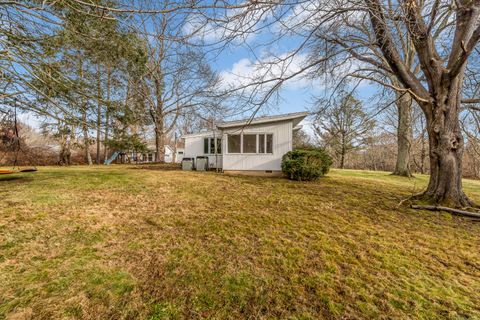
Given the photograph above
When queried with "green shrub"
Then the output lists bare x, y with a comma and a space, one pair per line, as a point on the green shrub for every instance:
306, 164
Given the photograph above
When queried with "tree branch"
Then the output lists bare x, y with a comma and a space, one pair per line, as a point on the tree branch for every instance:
386, 44
447, 209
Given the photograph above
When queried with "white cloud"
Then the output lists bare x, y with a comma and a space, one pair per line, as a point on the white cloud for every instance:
269, 70
257, 77
235, 25
198, 27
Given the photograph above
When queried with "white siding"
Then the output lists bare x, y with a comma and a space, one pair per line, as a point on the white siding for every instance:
282, 143
168, 154
179, 156
194, 148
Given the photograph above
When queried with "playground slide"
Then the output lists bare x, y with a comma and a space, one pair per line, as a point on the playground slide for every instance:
112, 158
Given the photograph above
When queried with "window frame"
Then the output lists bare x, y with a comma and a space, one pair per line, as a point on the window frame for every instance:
244, 146
266, 143
240, 143
257, 147
216, 146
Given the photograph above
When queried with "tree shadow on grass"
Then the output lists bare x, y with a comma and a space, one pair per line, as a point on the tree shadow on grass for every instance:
158, 167
15, 178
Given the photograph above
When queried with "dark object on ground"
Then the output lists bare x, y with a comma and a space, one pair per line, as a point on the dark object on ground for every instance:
158, 166
447, 209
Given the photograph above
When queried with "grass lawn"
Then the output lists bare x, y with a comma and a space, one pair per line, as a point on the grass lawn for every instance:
127, 243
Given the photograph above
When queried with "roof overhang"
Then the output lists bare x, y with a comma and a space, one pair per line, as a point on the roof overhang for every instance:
296, 128
200, 134
296, 118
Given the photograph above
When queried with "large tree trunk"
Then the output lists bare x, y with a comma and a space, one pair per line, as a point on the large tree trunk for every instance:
84, 107
404, 135
86, 140
99, 114
65, 153
159, 141
343, 153
174, 156
159, 118
423, 151
342, 160
446, 149
107, 114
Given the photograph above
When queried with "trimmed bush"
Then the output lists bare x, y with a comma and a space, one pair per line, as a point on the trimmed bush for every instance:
306, 164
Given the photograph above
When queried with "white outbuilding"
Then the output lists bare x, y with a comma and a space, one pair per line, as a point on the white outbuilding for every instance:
252, 146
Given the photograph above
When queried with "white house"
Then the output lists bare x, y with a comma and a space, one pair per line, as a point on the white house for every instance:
169, 154
151, 155
246, 146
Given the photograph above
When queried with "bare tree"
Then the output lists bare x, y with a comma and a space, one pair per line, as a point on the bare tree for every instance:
360, 38
343, 126
177, 80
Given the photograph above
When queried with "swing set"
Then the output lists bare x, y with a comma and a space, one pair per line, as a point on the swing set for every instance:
10, 142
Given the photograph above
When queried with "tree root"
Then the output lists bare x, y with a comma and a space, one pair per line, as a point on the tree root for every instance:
447, 209
414, 196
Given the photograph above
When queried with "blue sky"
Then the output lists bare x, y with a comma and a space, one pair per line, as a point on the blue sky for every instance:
296, 95
240, 57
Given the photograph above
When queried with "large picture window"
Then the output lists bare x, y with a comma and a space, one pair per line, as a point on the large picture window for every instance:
234, 143
250, 143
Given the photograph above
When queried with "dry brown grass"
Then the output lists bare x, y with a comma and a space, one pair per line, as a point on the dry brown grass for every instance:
118, 243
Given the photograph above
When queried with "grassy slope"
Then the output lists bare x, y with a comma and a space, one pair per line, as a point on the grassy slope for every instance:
120, 242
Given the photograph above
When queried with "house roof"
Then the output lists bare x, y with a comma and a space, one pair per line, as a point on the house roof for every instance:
201, 134
297, 117
296, 128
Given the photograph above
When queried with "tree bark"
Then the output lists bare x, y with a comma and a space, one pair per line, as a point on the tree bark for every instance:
441, 99
343, 152
159, 118
107, 114
159, 141
65, 153
83, 107
423, 152
446, 149
86, 140
99, 114
404, 135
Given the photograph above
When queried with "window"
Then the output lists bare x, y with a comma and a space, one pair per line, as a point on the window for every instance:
212, 146
249, 143
219, 146
261, 143
209, 146
265, 143
269, 143
234, 143
205, 145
